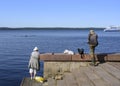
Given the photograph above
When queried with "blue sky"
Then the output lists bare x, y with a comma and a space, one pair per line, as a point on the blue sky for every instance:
59, 13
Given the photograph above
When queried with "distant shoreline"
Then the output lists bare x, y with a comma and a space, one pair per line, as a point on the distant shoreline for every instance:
50, 28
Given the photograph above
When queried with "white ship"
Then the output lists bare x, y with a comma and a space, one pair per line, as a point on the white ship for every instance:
112, 29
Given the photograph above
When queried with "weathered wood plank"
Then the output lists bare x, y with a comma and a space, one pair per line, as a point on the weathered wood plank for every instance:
112, 70
108, 78
96, 79
29, 82
61, 83
81, 78
113, 57
55, 57
102, 57
51, 82
70, 80
115, 64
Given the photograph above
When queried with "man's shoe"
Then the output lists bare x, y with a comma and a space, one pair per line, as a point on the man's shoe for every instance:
91, 64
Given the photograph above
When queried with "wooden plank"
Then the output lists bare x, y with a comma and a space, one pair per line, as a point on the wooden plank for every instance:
70, 80
94, 77
102, 57
29, 82
77, 57
81, 78
112, 70
58, 57
61, 83
108, 78
22, 83
113, 57
51, 82
115, 64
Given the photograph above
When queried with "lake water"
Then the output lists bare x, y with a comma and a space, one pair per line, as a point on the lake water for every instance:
16, 46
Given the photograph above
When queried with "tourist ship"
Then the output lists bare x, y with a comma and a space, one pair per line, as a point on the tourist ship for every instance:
112, 29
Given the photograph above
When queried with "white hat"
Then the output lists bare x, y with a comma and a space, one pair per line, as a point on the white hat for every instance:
35, 49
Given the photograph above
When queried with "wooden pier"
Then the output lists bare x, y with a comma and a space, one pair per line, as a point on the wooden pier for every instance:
105, 74
76, 71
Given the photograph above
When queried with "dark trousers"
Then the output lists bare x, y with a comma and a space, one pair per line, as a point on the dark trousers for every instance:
92, 54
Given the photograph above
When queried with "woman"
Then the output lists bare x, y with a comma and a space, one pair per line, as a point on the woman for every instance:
93, 42
34, 64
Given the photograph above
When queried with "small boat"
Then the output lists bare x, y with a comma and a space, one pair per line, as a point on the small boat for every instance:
112, 29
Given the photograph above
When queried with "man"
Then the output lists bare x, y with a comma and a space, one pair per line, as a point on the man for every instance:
93, 42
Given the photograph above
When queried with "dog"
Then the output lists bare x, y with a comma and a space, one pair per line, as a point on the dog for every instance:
81, 52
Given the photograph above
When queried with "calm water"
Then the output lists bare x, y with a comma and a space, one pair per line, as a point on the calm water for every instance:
16, 46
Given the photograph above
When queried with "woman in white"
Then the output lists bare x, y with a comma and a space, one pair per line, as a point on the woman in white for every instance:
34, 64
